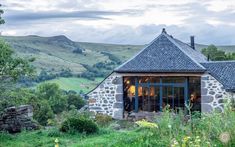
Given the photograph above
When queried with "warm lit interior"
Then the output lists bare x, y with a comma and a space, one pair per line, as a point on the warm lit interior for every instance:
153, 97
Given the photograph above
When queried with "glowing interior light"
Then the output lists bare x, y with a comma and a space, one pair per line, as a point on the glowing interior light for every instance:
132, 89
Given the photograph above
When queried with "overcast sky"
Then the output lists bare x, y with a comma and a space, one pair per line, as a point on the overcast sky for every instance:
122, 21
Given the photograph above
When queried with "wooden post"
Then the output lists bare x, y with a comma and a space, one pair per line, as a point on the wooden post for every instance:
136, 95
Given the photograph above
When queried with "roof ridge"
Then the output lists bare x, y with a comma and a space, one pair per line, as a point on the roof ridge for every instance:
176, 44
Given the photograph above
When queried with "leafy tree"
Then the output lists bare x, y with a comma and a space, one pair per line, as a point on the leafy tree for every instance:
1, 12
215, 54
43, 112
12, 67
55, 96
75, 100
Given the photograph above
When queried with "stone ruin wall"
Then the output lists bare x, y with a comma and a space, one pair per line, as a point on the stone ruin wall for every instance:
15, 119
107, 98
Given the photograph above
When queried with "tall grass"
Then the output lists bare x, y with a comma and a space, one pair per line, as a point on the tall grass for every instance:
176, 130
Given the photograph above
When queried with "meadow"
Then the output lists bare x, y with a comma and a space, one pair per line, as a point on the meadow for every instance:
207, 130
76, 84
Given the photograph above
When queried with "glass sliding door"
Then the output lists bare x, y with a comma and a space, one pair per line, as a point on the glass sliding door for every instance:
178, 98
173, 96
156, 100
145, 99
167, 98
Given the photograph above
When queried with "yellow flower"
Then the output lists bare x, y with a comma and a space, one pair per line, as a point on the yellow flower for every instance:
145, 124
186, 139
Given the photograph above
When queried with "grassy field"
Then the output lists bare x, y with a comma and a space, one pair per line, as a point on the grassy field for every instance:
169, 130
43, 138
76, 84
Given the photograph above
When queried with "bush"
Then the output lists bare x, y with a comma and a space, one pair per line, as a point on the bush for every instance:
54, 132
75, 100
145, 124
52, 93
43, 112
79, 124
58, 103
103, 119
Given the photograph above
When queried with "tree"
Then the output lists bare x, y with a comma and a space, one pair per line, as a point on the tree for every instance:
214, 54
1, 12
55, 96
12, 68
43, 112
76, 100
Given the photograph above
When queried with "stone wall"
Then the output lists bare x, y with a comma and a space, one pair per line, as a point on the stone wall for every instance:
213, 95
14, 119
107, 98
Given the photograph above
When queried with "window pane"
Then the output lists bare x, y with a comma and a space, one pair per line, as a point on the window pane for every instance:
173, 79
143, 79
154, 79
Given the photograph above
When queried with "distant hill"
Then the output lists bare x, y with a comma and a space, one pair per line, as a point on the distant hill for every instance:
58, 52
226, 48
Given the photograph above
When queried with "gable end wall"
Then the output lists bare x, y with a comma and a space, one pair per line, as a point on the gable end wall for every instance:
107, 98
213, 94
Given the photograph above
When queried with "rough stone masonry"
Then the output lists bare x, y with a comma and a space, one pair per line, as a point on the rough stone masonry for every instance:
107, 98
15, 119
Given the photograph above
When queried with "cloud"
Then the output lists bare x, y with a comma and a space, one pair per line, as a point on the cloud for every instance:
29, 16
121, 21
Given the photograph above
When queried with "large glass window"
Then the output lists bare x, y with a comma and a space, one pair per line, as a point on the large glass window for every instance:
155, 93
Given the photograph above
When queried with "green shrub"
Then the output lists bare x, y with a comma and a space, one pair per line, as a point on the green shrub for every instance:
76, 100
54, 133
58, 103
103, 119
43, 112
54, 95
79, 124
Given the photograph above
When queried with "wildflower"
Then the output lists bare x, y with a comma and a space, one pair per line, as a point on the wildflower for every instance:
224, 137
186, 139
208, 143
145, 124
169, 126
174, 143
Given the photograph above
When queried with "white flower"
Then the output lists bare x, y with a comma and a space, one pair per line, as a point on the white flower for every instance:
224, 137
169, 126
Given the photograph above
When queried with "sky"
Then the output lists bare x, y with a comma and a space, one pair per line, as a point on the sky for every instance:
122, 21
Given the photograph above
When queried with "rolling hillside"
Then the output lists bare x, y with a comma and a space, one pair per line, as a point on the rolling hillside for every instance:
59, 52
53, 54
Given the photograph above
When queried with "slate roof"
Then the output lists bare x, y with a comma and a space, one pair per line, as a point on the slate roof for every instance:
223, 71
164, 54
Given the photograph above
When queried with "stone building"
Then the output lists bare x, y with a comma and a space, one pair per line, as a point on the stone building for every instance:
167, 72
